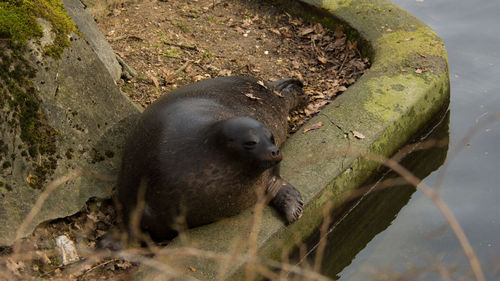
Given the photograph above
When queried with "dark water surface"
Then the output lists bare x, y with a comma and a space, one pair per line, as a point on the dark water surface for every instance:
400, 231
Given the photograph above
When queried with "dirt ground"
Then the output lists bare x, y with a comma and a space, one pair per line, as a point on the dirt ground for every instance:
172, 43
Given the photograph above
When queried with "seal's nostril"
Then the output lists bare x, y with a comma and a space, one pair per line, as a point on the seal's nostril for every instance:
275, 152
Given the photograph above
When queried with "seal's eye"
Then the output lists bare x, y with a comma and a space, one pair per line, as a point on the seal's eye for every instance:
249, 145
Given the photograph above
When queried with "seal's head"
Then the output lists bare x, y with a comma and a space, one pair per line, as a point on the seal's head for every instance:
248, 139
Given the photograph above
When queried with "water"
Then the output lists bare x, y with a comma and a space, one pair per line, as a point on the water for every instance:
401, 232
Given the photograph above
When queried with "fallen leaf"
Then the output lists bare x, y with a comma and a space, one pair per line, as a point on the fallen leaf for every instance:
314, 126
124, 264
15, 266
306, 31
339, 31
323, 60
192, 268
225, 72
358, 135
278, 94
352, 45
252, 97
418, 71
247, 22
342, 89
42, 257
28, 178
261, 83
297, 75
154, 79
239, 30
167, 75
275, 31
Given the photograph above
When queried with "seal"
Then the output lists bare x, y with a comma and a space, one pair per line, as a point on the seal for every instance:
204, 152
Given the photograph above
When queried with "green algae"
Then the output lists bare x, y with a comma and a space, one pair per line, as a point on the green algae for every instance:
419, 49
387, 103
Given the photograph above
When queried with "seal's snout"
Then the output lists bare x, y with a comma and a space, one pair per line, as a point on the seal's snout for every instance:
275, 153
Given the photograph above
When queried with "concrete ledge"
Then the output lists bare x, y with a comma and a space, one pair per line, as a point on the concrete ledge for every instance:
407, 84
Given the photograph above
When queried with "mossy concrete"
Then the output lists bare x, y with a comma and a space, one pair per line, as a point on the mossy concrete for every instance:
406, 86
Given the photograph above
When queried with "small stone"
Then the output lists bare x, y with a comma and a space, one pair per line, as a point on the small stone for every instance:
67, 249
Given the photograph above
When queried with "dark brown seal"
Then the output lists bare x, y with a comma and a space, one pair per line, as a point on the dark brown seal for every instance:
204, 151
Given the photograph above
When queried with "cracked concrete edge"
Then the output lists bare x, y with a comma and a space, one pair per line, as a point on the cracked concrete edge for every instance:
90, 31
406, 86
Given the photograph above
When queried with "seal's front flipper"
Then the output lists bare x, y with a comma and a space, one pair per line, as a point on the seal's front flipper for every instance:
286, 200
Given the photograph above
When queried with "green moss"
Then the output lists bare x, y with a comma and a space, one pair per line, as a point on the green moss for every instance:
18, 25
69, 153
109, 154
6, 165
15, 23
97, 156
42, 172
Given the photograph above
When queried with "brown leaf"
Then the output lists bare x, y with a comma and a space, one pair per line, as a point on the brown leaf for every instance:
278, 94
297, 75
41, 256
192, 268
124, 264
323, 60
154, 79
342, 89
306, 31
419, 71
252, 97
358, 135
314, 126
275, 31
15, 266
28, 178
239, 30
225, 72
286, 32
352, 45
167, 75
261, 83
339, 31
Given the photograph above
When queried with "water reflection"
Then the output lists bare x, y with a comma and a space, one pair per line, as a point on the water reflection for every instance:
364, 218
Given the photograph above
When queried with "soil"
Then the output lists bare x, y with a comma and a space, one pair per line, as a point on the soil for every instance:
172, 43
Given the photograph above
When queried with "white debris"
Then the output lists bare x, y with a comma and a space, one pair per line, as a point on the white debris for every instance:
67, 249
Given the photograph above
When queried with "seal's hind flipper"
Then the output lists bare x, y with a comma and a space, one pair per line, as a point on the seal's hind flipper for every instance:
291, 89
286, 83
287, 200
